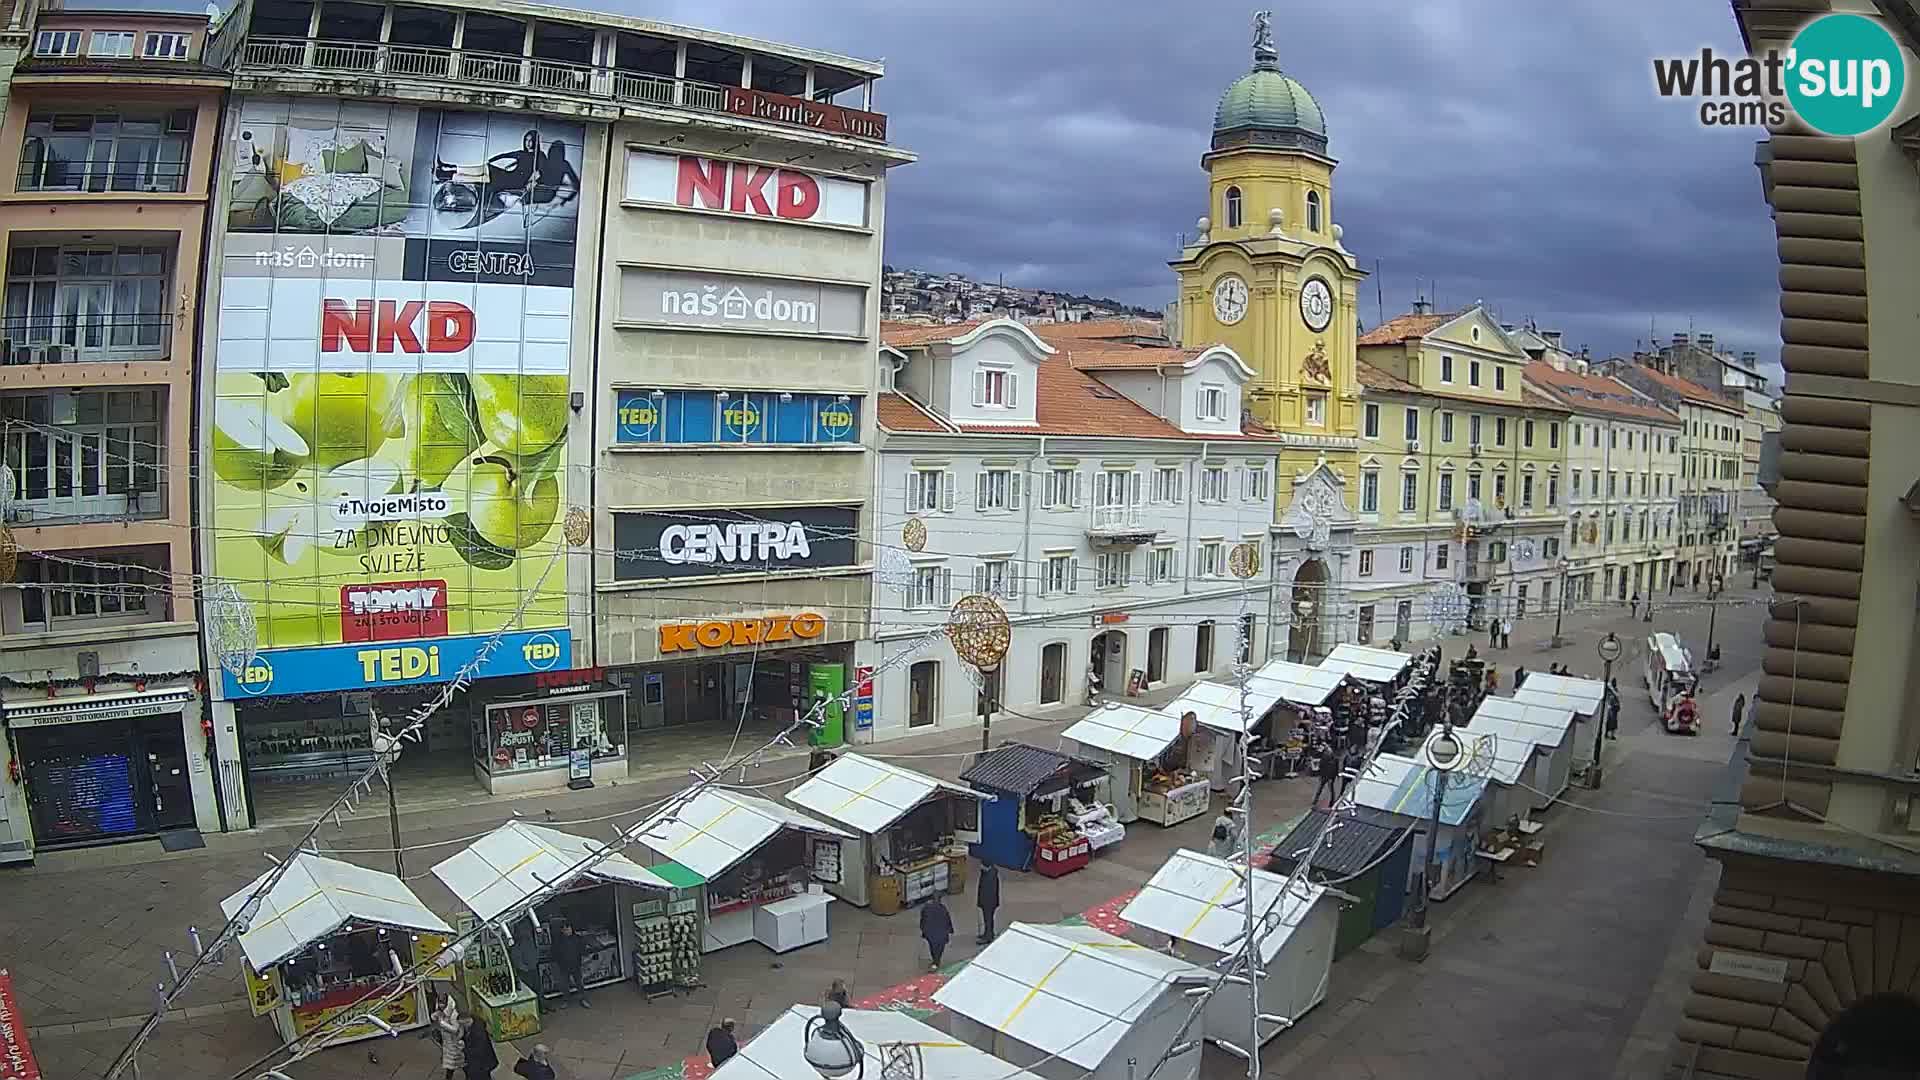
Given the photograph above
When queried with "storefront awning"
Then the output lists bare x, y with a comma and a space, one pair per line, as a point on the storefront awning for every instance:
1127, 730
1366, 664
1541, 724
1398, 785
1187, 897
317, 896
1070, 991
518, 860
867, 795
718, 828
779, 1051
1583, 696
82, 710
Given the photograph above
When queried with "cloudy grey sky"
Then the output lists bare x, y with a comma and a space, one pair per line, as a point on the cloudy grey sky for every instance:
1507, 149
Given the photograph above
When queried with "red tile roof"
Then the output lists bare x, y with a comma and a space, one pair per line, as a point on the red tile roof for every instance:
1100, 356
1375, 379
907, 335
1411, 325
900, 413
1689, 390
1051, 332
1585, 392
1534, 399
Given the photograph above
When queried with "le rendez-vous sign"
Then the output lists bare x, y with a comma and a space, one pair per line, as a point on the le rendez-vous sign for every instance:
833, 119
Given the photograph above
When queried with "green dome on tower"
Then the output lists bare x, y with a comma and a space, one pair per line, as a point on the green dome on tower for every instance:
1268, 108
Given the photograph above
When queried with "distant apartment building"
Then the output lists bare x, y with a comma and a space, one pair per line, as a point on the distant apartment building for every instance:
111, 123
1712, 438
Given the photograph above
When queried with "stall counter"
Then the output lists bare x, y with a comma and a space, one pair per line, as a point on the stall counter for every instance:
511, 1016
1175, 805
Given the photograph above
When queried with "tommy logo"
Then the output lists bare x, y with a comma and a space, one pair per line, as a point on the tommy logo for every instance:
393, 611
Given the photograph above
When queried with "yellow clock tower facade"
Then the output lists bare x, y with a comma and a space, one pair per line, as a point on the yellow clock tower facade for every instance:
1267, 274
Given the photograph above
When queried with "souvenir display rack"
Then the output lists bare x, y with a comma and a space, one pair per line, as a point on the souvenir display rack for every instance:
666, 953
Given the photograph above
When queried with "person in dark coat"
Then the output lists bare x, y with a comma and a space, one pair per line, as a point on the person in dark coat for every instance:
535, 1066
721, 1044
1519, 677
936, 928
837, 993
987, 896
1739, 710
567, 950
481, 1059
1613, 710
1329, 774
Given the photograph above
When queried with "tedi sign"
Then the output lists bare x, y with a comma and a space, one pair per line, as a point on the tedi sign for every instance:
699, 541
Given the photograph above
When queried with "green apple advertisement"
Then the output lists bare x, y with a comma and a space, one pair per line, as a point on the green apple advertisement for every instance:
388, 436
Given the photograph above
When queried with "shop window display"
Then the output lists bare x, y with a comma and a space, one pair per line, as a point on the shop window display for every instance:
543, 734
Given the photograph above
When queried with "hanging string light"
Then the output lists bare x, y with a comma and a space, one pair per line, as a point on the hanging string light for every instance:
579, 526
913, 535
231, 628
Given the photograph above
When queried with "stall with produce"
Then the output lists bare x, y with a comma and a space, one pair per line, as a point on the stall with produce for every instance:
1398, 792
326, 937
1196, 899
911, 831
1146, 753
1044, 805
764, 865
520, 860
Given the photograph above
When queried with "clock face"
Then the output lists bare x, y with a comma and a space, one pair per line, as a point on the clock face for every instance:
1316, 304
1230, 299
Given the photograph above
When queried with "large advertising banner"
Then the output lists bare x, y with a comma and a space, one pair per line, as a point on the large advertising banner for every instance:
388, 436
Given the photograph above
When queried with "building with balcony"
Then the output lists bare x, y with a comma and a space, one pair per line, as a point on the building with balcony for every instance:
1753, 504
1463, 467
545, 355
1711, 448
1622, 482
110, 121
1095, 487
1814, 829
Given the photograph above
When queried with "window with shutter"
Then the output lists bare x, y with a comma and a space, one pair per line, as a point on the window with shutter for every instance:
979, 387
1013, 489
1013, 389
1079, 490
1073, 575
980, 490
946, 585
946, 491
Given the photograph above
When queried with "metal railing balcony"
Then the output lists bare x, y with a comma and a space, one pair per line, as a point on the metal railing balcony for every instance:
469, 67
64, 339
161, 177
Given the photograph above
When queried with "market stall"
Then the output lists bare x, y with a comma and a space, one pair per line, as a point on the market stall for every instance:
1044, 815
1549, 727
1582, 697
764, 865
1371, 863
911, 831
1269, 708
1072, 1001
1369, 665
1187, 898
328, 935
1145, 751
1398, 792
778, 1051
519, 860
1504, 758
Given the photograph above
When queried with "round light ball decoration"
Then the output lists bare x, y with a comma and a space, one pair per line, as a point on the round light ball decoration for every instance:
7, 483
1243, 561
913, 535
231, 628
978, 630
894, 570
579, 526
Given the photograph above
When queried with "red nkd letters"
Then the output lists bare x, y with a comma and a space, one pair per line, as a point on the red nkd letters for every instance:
393, 326
739, 188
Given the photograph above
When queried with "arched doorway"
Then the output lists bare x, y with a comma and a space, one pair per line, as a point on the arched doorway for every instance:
1305, 605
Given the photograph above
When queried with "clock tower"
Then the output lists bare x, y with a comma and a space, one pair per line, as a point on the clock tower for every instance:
1267, 274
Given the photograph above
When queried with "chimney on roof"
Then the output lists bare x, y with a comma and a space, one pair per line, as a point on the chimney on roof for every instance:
1552, 336
1706, 342
1421, 306
1679, 341
1750, 358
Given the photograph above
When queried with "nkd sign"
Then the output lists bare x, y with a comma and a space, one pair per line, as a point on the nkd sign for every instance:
745, 188
671, 298
704, 540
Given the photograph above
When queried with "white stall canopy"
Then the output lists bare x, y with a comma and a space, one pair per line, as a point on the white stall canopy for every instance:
1217, 704
778, 1053
868, 795
1187, 898
519, 859
317, 896
1398, 785
1127, 730
1582, 696
1367, 664
718, 828
1298, 684
1070, 991
1493, 750
1543, 725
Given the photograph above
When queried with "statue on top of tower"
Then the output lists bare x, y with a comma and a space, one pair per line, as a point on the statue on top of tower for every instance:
1263, 32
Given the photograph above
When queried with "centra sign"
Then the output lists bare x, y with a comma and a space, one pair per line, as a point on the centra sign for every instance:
763, 541
734, 633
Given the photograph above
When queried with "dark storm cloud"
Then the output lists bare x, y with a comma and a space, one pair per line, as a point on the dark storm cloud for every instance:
1504, 150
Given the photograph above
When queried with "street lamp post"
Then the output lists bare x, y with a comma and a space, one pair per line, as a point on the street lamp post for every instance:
1609, 649
1560, 609
1443, 753
1713, 610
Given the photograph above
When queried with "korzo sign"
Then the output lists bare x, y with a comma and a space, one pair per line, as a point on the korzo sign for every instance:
706, 541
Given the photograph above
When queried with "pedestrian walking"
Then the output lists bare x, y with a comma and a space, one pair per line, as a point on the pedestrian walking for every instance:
480, 1058
1493, 678
1613, 709
1493, 633
1226, 831
567, 950
1739, 710
1633, 609
936, 929
986, 896
721, 1044
1506, 633
446, 1027
1519, 678
535, 1066
837, 993
1329, 773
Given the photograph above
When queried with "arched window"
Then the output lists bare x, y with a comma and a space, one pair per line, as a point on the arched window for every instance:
1232, 214
1313, 211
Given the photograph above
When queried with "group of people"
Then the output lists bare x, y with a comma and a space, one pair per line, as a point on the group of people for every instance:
466, 1048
